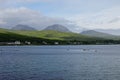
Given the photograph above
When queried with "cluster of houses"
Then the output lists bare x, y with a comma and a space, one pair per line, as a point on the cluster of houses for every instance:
22, 43
15, 43
45, 43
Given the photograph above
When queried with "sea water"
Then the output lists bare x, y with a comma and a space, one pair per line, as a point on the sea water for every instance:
84, 62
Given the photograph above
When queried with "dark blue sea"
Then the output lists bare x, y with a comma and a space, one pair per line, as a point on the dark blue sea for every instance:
84, 62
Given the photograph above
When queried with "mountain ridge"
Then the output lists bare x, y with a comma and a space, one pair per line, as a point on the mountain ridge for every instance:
23, 27
57, 27
49, 37
94, 33
110, 31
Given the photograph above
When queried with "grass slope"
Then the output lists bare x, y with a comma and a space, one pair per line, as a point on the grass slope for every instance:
93, 33
10, 36
40, 37
56, 35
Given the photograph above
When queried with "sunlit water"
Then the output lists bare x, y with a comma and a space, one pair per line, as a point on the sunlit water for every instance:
60, 62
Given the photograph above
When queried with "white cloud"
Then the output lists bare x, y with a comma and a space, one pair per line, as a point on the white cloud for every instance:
105, 19
2, 22
13, 16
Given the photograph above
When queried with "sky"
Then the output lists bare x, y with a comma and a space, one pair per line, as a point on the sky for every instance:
77, 15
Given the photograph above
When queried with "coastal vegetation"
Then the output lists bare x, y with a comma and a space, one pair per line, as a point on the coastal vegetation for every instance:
49, 37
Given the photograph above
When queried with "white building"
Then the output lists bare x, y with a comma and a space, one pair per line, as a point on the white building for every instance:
56, 43
17, 42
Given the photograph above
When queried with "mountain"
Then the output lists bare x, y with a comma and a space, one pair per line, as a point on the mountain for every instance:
10, 36
50, 37
94, 33
109, 31
56, 35
45, 34
57, 27
23, 27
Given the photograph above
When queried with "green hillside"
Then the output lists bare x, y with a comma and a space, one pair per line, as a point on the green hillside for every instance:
9, 36
56, 35
49, 37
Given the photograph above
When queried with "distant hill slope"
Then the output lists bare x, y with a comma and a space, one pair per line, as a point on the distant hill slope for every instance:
23, 27
9, 36
49, 36
110, 31
93, 33
57, 35
57, 27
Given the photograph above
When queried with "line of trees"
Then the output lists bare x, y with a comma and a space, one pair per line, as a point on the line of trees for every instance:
60, 42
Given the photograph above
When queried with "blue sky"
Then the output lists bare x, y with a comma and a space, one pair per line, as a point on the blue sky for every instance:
66, 7
82, 13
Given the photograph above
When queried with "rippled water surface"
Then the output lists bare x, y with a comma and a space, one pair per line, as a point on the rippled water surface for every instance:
60, 62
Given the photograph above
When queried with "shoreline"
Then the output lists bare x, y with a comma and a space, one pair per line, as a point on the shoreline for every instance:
65, 45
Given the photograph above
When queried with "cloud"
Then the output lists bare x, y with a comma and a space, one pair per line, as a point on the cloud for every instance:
109, 18
106, 19
117, 19
13, 16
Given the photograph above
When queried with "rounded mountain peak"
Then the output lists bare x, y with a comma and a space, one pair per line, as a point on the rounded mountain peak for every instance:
57, 27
